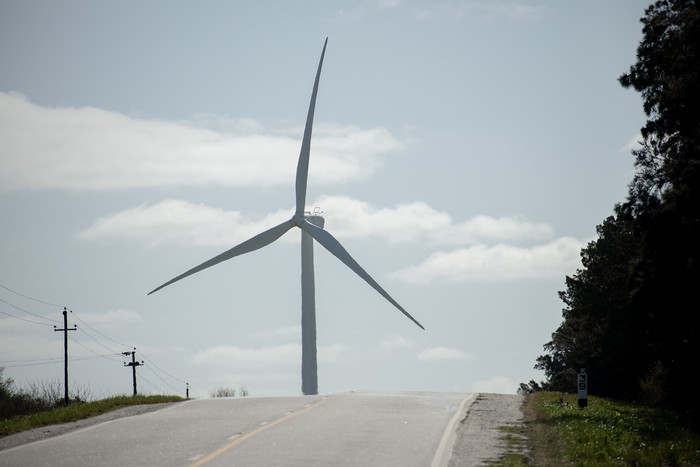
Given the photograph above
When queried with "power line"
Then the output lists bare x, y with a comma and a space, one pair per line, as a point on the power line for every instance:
28, 312
28, 297
98, 332
125, 345
48, 361
52, 360
75, 315
159, 377
24, 319
96, 341
153, 364
97, 354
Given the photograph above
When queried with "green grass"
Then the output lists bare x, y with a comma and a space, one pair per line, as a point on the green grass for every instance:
606, 433
77, 411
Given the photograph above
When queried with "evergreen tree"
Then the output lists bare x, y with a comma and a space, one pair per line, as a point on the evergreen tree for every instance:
630, 312
597, 333
664, 196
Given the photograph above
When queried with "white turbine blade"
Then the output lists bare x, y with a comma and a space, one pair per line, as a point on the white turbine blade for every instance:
303, 164
331, 244
252, 244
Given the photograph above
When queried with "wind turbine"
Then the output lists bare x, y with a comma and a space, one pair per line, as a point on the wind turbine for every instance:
311, 226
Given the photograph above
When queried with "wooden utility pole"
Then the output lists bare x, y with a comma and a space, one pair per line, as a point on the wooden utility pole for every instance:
133, 364
65, 351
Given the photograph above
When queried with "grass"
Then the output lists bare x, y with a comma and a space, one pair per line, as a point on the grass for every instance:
77, 411
607, 433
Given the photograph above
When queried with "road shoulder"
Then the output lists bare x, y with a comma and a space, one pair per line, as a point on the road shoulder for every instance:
49, 431
481, 434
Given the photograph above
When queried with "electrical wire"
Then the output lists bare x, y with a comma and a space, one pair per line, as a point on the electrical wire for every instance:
24, 319
98, 332
96, 341
28, 297
28, 312
151, 362
106, 356
159, 377
75, 315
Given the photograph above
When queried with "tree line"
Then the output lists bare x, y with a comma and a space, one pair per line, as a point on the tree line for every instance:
630, 315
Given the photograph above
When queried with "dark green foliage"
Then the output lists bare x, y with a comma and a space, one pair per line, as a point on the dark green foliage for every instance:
630, 316
591, 336
665, 196
14, 402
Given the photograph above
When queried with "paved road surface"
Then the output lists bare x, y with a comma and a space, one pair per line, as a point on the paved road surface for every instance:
351, 429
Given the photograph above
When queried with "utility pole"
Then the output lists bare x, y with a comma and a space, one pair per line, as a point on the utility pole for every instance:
65, 351
133, 364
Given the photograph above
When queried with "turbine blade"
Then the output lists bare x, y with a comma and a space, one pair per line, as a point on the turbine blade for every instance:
331, 244
252, 244
303, 164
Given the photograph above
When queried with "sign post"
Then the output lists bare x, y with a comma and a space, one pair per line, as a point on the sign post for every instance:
582, 389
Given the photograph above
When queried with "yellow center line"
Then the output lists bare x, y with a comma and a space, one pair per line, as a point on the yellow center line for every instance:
246, 436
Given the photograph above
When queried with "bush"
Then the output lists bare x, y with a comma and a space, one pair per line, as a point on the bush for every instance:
37, 396
223, 391
14, 402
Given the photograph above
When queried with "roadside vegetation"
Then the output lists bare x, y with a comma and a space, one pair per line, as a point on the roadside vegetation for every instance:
42, 403
606, 433
627, 316
226, 391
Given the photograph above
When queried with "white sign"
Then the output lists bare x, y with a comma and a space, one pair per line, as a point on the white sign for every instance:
582, 384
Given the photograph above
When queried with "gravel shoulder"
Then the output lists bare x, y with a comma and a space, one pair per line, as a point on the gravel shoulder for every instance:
491, 429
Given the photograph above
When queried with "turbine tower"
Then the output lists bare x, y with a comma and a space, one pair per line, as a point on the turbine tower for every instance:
311, 225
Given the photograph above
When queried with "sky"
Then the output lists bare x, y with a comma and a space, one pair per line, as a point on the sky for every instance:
463, 153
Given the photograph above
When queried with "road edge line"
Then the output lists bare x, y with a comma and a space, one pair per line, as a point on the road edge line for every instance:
444, 450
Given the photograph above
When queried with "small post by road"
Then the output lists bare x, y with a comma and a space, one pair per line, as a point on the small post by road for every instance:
133, 364
582, 389
65, 352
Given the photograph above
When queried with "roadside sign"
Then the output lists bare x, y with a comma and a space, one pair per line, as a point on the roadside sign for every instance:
582, 384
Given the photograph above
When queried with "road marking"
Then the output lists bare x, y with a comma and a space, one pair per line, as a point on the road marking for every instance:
444, 450
238, 440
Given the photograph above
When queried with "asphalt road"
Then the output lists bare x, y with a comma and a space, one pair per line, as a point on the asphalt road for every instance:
349, 429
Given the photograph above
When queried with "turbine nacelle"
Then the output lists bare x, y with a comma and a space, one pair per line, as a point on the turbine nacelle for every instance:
315, 219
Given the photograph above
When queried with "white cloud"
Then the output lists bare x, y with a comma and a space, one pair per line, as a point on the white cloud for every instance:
92, 149
417, 221
177, 221
228, 356
111, 318
443, 354
394, 342
496, 385
498, 262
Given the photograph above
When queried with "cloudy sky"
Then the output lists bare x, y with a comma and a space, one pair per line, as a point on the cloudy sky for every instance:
463, 152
